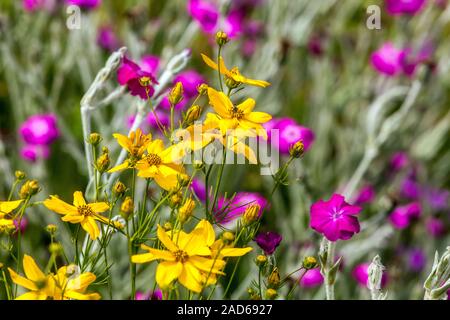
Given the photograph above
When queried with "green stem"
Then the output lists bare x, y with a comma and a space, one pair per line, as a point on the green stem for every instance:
218, 67
329, 282
7, 288
219, 180
13, 188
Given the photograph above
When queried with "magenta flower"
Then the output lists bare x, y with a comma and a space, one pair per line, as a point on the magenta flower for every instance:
248, 47
410, 188
227, 211
402, 216
409, 7
315, 46
437, 199
150, 64
32, 153
22, 226
289, 132
199, 189
361, 275
399, 160
366, 195
205, 13
131, 75
35, 5
165, 104
190, 79
268, 241
388, 59
312, 278
155, 295
40, 129
233, 24
107, 39
85, 4
412, 58
163, 118
435, 227
416, 260
335, 218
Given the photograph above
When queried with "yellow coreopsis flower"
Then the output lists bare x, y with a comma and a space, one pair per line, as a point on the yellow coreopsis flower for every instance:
6, 207
161, 164
61, 286
241, 117
186, 257
80, 212
135, 144
194, 137
234, 73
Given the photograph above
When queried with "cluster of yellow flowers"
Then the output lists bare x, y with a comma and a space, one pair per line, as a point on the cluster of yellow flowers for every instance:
195, 259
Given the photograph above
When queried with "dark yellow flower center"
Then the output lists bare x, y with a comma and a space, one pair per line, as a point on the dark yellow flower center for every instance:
236, 113
153, 159
85, 210
181, 256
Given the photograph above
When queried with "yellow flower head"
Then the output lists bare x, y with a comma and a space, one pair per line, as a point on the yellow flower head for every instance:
80, 212
135, 144
234, 73
6, 207
161, 164
241, 117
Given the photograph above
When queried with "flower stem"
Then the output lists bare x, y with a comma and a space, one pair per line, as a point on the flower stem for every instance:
329, 281
218, 68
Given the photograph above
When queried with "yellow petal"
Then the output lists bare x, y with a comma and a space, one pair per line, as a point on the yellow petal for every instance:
234, 252
191, 277
120, 167
165, 240
6, 222
143, 258
123, 141
258, 117
81, 282
220, 102
72, 218
258, 83
91, 227
155, 147
31, 269
241, 148
81, 296
167, 272
207, 264
162, 254
208, 231
209, 62
195, 243
247, 106
8, 206
78, 199
32, 295
166, 182
99, 207
21, 281
59, 206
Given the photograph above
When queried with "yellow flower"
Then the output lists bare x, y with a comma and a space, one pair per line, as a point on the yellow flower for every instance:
135, 144
186, 258
80, 212
6, 207
52, 286
230, 117
234, 73
161, 164
193, 138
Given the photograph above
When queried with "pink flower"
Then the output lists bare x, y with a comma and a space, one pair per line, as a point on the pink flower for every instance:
388, 60
412, 58
163, 118
399, 160
402, 216
361, 275
131, 75
85, 4
190, 79
410, 188
335, 218
32, 153
35, 5
198, 187
289, 133
22, 226
40, 129
150, 64
416, 259
366, 195
435, 227
312, 278
227, 211
205, 13
233, 24
268, 241
155, 295
107, 39
409, 7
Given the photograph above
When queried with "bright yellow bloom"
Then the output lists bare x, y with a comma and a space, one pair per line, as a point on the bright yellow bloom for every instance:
135, 144
230, 117
6, 207
234, 73
194, 137
80, 212
163, 165
57, 287
187, 256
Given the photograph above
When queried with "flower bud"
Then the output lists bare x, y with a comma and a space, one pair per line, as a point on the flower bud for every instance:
228, 237
55, 248
1, 265
95, 139
309, 263
145, 81
231, 83
167, 226
185, 211
192, 114
119, 224
261, 260
221, 38
183, 180
296, 150
198, 165
271, 294
29, 188
119, 189
250, 214
103, 161
274, 278
127, 208
51, 228
175, 199
202, 89
20, 175
176, 94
